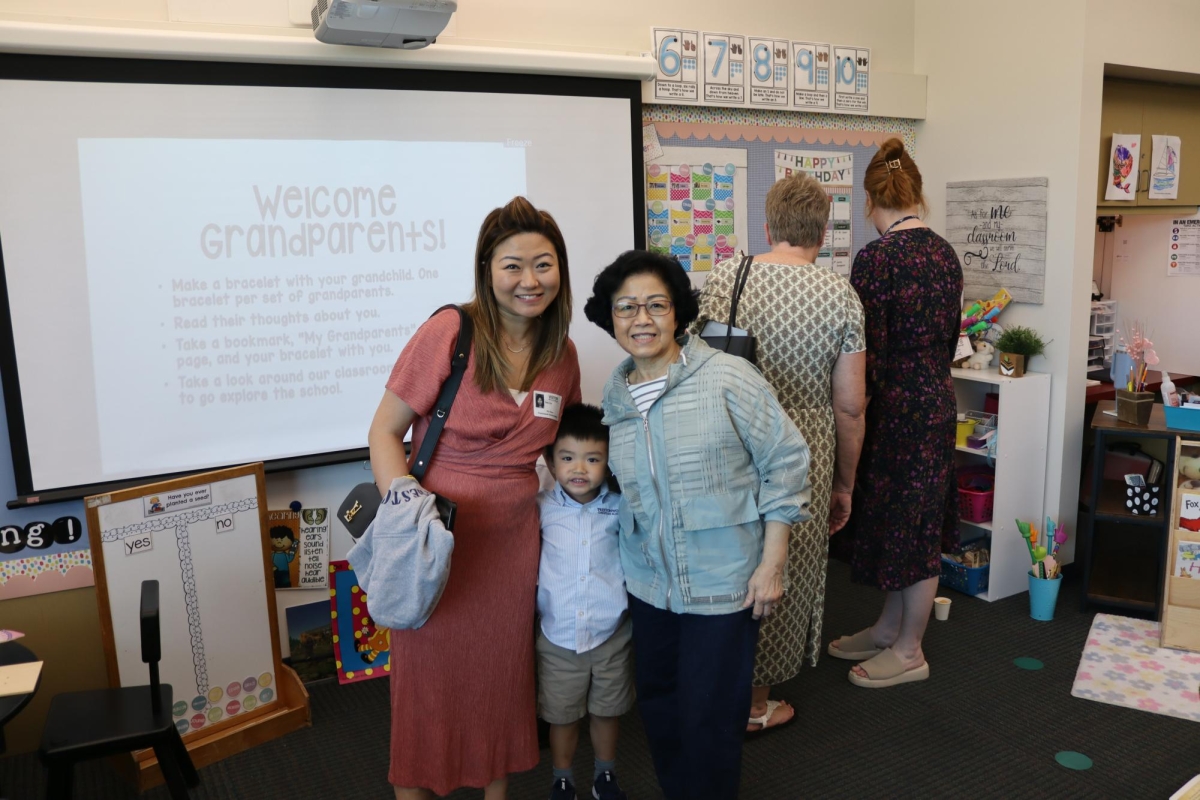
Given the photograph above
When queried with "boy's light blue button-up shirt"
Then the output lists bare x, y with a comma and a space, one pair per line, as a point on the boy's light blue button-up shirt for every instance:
581, 587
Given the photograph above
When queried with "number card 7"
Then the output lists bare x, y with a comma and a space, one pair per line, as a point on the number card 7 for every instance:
724, 68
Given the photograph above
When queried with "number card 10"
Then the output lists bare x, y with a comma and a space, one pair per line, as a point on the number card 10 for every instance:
851, 79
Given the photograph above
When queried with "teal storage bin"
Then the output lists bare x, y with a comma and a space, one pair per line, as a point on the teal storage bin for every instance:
1183, 419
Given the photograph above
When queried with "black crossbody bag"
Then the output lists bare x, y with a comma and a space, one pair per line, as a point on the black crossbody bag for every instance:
740, 343
360, 506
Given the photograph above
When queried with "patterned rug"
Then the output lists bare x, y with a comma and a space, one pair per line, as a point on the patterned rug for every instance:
1123, 665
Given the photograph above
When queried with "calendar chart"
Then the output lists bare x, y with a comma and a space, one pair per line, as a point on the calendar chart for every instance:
696, 205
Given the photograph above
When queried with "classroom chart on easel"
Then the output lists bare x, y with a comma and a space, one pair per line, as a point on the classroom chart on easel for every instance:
201, 539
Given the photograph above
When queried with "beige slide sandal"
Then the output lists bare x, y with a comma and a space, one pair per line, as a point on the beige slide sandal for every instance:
858, 647
885, 670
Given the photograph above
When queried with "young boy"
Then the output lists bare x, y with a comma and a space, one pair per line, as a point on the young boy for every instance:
584, 643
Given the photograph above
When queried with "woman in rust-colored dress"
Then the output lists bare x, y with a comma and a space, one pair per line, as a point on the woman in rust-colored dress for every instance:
463, 704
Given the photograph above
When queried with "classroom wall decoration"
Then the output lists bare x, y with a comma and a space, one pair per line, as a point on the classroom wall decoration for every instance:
696, 205
299, 548
834, 171
361, 648
1123, 171
42, 549
730, 69
998, 229
310, 641
1183, 248
759, 133
1164, 170
202, 538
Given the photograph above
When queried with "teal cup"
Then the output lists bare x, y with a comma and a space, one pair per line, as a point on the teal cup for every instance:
1043, 595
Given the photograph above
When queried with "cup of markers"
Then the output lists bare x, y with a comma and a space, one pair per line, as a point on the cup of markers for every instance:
1045, 574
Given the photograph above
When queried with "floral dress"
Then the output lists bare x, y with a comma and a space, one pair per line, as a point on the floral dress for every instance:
803, 318
906, 498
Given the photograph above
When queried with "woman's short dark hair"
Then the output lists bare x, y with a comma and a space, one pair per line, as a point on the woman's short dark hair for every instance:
684, 298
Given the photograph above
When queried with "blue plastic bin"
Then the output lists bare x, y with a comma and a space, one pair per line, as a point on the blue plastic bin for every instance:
1183, 419
968, 580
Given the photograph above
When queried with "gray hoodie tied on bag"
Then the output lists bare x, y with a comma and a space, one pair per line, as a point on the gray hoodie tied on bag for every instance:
402, 562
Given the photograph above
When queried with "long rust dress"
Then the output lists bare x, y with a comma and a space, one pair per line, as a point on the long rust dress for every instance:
463, 706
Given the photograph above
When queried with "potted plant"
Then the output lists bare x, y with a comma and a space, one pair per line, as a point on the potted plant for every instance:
1017, 345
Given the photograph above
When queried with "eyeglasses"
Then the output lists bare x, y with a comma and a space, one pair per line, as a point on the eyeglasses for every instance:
655, 308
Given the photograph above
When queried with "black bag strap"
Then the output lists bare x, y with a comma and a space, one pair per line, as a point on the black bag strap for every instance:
739, 283
441, 409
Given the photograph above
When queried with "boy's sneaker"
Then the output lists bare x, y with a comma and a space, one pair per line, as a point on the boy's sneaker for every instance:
562, 790
606, 788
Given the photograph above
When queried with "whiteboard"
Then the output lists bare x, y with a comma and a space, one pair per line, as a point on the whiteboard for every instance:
201, 538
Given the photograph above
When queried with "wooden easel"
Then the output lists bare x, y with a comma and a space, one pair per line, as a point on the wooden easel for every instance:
287, 711
1181, 594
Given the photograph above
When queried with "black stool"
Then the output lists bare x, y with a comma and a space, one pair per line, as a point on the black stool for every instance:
105, 722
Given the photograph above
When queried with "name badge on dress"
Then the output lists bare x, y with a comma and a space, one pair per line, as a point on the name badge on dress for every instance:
547, 405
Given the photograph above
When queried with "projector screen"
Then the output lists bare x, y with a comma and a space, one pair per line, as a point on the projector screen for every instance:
213, 264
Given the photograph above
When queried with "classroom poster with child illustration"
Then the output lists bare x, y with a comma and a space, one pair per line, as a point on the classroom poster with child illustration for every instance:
283, 530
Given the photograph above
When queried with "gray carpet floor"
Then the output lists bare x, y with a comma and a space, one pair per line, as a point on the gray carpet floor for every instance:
978, 728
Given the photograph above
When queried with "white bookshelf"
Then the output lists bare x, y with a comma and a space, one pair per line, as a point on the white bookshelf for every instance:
1023, 423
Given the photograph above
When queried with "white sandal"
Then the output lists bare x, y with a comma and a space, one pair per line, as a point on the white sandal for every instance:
772, 707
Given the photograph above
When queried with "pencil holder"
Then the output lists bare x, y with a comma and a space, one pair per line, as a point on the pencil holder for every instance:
1043, 596
1134, 407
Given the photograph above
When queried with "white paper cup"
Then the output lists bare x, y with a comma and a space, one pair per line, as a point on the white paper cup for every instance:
941, 608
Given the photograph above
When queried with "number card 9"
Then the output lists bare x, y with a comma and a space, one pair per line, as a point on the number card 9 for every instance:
810, 75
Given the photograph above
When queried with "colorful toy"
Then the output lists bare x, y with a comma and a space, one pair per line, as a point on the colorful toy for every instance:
1042, 557
982, 314
982, 357
1189, 467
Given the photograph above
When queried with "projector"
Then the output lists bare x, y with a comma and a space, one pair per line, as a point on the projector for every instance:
405, 24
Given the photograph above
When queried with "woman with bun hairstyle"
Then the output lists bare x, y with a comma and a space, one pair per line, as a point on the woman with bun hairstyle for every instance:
905, 513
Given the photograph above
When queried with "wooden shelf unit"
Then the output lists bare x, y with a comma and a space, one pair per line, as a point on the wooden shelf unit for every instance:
1023, 423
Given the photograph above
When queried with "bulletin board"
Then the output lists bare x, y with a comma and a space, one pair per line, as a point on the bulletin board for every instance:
1181, 589
747, 148
201, 537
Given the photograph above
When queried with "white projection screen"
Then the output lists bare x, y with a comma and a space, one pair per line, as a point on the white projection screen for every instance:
208, 264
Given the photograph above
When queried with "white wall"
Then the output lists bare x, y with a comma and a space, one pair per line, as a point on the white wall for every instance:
1168, 306
614, 26
1004, 102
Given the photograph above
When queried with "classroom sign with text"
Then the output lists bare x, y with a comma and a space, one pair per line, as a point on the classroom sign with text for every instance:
729, 69
998, 229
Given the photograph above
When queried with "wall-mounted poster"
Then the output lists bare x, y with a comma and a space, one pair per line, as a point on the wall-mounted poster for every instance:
1183, 249
998, 229
834, 171
1164, 168
696, 205
1123, 171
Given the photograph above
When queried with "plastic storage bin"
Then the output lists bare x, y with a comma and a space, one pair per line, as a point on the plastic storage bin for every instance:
976, 493
1182, 419
968, 580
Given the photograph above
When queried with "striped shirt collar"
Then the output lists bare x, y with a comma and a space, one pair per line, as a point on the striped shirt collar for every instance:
565, 499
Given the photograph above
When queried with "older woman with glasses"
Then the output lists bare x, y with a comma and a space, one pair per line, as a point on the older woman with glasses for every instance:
713, 474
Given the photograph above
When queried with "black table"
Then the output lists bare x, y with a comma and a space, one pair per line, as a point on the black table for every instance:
14, 653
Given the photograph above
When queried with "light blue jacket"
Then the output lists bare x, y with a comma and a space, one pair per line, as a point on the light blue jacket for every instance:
716, 457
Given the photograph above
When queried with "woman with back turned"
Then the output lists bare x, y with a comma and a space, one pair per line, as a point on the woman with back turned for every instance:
906, 501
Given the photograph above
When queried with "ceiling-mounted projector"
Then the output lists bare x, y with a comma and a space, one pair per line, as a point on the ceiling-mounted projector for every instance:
407, 24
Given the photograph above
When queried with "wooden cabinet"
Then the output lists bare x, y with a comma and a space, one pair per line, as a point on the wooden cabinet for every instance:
1149, 109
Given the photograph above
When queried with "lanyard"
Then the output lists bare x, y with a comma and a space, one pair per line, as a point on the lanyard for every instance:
897, 222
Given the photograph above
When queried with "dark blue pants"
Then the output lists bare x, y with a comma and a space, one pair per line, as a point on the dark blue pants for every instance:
693, 686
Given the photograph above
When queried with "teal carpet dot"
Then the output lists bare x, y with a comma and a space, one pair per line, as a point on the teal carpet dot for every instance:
1072, 760
1028, 663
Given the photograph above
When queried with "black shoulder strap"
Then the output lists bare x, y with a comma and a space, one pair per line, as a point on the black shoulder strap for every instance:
441, 410
739, 283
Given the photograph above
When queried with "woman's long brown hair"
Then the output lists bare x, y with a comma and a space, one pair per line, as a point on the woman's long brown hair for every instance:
550, 329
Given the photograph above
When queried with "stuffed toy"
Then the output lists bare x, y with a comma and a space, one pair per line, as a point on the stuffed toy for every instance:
982, 357
1189, 467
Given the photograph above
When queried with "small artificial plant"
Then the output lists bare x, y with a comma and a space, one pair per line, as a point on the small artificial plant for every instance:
1021, 341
